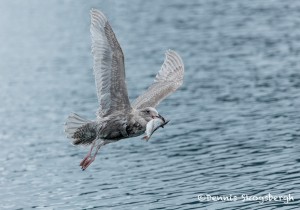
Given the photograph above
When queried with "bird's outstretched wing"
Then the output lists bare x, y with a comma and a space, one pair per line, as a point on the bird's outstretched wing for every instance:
108, 67
168, 79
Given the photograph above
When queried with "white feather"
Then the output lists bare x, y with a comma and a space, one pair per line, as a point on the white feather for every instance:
167, 80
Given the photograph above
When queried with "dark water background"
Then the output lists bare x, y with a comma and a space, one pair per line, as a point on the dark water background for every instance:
235, 124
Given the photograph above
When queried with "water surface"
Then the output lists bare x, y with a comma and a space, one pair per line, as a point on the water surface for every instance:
234, 125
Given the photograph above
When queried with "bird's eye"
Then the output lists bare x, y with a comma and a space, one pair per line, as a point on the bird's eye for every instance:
148, 112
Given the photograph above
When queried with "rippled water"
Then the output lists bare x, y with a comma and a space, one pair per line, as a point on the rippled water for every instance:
234, 124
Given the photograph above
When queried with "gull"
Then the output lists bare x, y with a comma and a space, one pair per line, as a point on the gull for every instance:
116, 117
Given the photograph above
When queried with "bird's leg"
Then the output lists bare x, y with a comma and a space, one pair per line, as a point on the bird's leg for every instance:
91, 157
88, 154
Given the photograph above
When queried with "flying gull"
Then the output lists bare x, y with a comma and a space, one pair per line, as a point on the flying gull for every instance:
116, 117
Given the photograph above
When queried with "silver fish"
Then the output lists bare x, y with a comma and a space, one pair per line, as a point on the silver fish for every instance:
152, 126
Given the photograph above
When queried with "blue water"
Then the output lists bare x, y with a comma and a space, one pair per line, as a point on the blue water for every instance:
235, 123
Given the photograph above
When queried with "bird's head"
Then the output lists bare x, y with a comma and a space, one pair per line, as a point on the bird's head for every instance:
150, 113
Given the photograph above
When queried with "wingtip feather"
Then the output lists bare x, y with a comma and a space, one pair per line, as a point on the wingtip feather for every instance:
97, 17
172, 63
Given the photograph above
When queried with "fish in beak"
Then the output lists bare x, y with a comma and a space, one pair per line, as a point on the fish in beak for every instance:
153, 125
162, 118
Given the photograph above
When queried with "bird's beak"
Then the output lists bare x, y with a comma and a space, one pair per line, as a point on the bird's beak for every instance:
161, 117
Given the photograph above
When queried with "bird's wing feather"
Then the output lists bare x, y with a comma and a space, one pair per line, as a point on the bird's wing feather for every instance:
168, 79
108, 67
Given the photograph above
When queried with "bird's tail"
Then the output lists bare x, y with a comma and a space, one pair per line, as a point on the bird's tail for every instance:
80, 130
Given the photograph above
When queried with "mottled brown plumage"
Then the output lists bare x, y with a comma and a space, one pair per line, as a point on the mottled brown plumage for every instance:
116, 117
